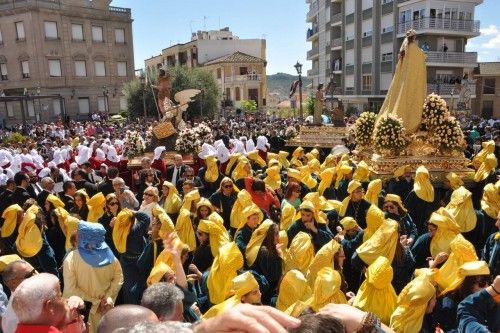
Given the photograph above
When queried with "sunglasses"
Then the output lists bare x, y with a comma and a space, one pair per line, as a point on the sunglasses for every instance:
30, 274
114, 203
149, 194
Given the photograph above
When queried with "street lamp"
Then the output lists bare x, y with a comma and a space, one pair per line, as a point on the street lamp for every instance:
298, 67
106, 106
142, 78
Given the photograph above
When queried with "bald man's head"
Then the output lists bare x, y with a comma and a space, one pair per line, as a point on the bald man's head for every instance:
125, 316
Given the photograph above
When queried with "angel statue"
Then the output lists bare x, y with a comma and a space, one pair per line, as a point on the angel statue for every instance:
173, 112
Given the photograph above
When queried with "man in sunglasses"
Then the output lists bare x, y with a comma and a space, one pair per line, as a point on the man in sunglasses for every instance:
14, 273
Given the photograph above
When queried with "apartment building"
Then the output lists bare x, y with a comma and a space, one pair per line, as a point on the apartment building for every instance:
238, 65
487, 103
64, 57
355, 44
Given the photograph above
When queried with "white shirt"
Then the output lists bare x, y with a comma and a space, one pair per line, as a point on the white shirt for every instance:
9, 319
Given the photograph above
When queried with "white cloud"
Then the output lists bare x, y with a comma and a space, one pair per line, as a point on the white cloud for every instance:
493, 43
490, 30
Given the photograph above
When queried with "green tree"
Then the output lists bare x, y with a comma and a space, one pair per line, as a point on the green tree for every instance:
205, 104
249, 105
310, 104
182, 78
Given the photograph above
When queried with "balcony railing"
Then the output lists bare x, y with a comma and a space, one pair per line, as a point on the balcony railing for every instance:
313, 72
313, 52
452, 57
430, 23
446, 89
337, 18
337, 42
313, 10
240, 78
312, 31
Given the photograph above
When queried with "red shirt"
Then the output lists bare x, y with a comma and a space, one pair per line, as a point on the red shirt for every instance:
21, 328
263, 200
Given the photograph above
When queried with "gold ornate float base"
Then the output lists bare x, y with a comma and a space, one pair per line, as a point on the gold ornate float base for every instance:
438, 166
324, 136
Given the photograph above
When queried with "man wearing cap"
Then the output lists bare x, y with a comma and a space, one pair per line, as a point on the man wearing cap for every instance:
92, 272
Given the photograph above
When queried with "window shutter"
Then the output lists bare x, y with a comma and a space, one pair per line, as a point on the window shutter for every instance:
100, 68
122, 68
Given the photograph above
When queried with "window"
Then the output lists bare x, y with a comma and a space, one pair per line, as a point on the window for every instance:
97, 34
50, 30
20, 31
80, 68
100, 68
489, 87
83, 105
3, 72
55, 68
367, 82
228, 93
122, 68
219, 73
386, 1
120, 36
386, 57
101, 104
237, 93
77, 32
367, 33
25, 67
56, 104
388, 29
123, 103
243, 70
31, 109
10, 109
1, 38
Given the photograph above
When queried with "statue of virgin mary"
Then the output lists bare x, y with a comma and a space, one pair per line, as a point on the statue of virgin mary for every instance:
408, 89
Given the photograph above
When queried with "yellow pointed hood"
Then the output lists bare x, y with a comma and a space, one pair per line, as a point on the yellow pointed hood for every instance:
173, 201
471, 268
343, 169
327, 176
373, 191
327, 289
324, 258
381, 243
254, 156
249, 211
10, 216
376, 293
374, 219
167, 226
212, 173
123, 222
362, 172
283, 159
258, 236
422, 186
455, 180
223, 271
446, 231
218, 235
300, 253
461, 209
329, 162
243, 200
273, 178
29, 239
488, 165
490, 201
293, 288
96, 207
353, 185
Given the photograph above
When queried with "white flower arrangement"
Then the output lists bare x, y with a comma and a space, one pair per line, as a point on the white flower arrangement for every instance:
290, 132
135, 145
390, 135
190, 140
203, 133
364, 127
435, 111
449, 135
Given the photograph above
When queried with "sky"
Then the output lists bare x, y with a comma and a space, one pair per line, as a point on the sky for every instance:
161, 23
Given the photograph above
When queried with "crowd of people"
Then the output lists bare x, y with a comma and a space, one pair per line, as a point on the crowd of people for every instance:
257, 237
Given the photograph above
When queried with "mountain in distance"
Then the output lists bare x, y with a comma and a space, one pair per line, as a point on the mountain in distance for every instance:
281, 82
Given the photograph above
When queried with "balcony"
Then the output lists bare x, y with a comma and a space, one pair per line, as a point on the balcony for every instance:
242, 78
446, 89
313, 11
337, 43
312, 33
441, 26
337, 19
451, 59
314, 53
313, 72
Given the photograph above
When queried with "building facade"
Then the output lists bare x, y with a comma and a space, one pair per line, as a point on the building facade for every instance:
355, 44
238, 65
65, 57
487, 103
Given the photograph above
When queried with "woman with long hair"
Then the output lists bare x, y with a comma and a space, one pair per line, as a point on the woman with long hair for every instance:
150, 200
80, 210
264, 256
